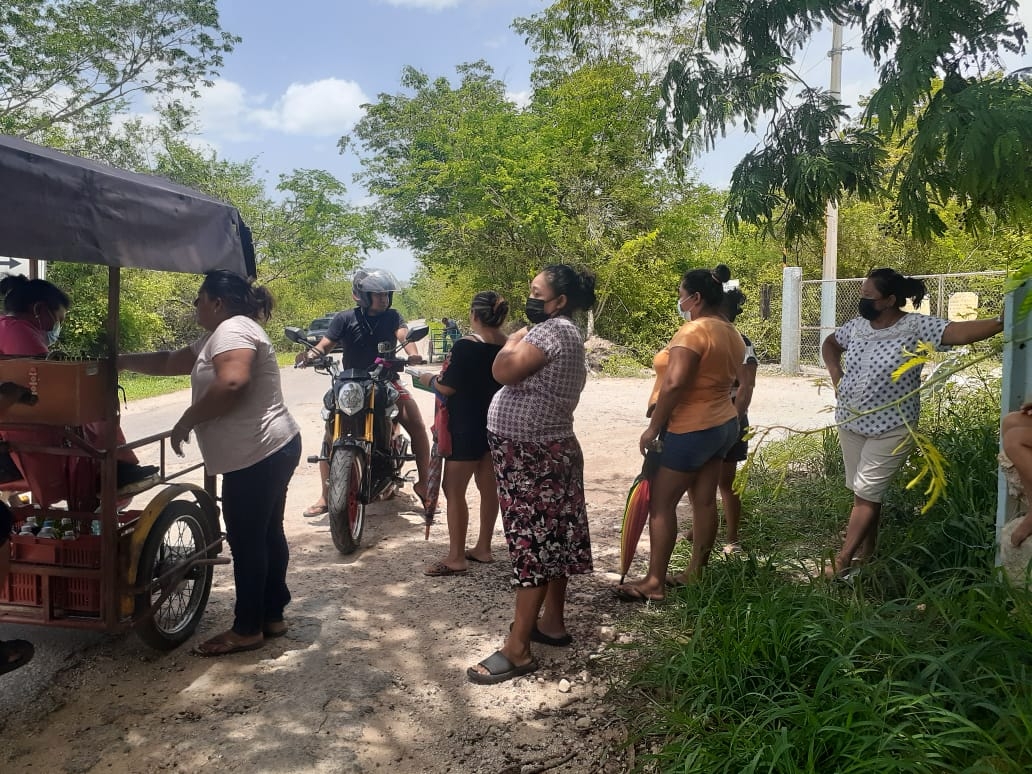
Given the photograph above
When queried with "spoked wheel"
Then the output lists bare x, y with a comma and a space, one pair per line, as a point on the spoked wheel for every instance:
347, 511
182, 529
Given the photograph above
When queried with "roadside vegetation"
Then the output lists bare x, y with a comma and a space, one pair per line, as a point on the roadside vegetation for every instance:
139, 386
922, 664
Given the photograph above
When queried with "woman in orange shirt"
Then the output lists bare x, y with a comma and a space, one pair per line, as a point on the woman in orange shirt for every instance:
693, 424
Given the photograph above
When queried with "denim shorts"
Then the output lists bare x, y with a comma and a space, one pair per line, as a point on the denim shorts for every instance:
688, 452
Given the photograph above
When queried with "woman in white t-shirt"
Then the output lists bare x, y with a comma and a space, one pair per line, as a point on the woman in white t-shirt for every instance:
244, 432
875, 412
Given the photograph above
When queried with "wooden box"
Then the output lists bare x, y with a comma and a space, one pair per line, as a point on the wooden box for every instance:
69, 392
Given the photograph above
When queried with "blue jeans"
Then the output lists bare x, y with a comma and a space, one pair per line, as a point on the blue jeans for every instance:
253, 502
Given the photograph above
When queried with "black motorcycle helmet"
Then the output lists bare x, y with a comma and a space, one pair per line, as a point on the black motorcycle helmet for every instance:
367, 281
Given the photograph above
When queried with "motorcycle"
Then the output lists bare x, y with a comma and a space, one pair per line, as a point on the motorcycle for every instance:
366, 450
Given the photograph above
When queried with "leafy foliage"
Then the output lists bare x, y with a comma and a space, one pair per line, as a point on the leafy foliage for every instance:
920, 666
74, 63
967, 144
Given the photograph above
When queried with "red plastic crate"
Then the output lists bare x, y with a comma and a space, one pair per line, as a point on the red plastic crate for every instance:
26, 548
76, 595
84, 551
22, 588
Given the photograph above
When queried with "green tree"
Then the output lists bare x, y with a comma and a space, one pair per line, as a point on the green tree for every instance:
969, 144
486, 193
459, 174
73, 64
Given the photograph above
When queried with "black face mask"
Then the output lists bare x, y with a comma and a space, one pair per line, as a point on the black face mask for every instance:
868, 310
535, 310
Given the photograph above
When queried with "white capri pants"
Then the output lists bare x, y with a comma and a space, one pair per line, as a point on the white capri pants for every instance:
871, 462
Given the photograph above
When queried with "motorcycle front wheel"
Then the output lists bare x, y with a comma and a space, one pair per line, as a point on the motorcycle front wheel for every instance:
347, 511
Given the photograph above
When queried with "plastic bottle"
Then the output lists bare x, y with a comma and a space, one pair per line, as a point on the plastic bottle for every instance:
95, 527
67, 529
47, 531
32, 524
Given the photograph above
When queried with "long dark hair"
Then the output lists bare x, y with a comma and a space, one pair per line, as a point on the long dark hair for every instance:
490, 308
577, 285
890, 282
239, 294
21, 294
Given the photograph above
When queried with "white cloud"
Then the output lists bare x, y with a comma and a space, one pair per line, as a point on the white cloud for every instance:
223, 110
323, 108
519, 98
429, 5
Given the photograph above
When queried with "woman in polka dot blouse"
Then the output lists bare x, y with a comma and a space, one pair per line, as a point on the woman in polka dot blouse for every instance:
873, 411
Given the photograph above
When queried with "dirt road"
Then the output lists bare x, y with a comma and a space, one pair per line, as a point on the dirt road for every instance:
372, 673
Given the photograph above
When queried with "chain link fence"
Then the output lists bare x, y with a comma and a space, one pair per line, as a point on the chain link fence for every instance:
951, 296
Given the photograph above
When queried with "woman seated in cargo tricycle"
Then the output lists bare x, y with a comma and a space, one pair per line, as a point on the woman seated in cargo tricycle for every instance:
34, 310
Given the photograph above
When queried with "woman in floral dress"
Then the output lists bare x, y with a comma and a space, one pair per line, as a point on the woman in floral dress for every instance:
540, 467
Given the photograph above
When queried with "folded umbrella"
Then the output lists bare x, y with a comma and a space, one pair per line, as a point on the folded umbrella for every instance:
636, 511
433, 487
435, 467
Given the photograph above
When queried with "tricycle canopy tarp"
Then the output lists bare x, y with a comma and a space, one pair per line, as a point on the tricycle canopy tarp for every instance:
58, 207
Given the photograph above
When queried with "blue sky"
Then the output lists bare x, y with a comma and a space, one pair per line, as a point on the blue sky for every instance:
296, 82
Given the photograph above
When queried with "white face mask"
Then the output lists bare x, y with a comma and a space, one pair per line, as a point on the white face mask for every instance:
686, 316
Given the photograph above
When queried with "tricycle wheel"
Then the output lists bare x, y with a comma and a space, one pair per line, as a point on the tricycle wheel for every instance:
182, 529
347, 511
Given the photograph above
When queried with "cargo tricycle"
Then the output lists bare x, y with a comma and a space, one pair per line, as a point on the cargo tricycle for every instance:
103, 562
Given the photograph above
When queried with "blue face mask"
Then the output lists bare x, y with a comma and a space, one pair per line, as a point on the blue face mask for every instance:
52, 334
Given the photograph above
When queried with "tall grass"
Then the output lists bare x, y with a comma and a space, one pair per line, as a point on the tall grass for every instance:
923, 665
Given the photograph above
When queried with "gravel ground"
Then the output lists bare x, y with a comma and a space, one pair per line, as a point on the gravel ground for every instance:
371, 676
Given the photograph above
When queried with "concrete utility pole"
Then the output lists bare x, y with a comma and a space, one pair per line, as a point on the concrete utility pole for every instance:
829, 273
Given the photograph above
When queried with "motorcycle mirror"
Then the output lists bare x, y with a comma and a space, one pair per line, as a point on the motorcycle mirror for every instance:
417, 332
296, 335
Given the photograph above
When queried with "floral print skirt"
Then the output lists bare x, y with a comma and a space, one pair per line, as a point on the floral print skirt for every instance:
541, 493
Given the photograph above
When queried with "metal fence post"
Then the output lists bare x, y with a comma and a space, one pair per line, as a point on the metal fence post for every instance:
1017, 375
791, 318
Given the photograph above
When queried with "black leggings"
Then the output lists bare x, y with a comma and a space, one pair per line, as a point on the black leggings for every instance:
253, 502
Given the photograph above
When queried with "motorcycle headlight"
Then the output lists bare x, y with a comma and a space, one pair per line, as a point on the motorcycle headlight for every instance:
351, 398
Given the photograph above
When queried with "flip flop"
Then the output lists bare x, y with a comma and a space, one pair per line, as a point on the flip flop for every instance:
226, 643
472, 558
634, 594
441, 570
538, 636
14, 654
673, 583
315, 510
499, 669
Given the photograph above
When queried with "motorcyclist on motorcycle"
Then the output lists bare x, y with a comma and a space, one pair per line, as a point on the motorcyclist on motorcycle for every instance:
359, 332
